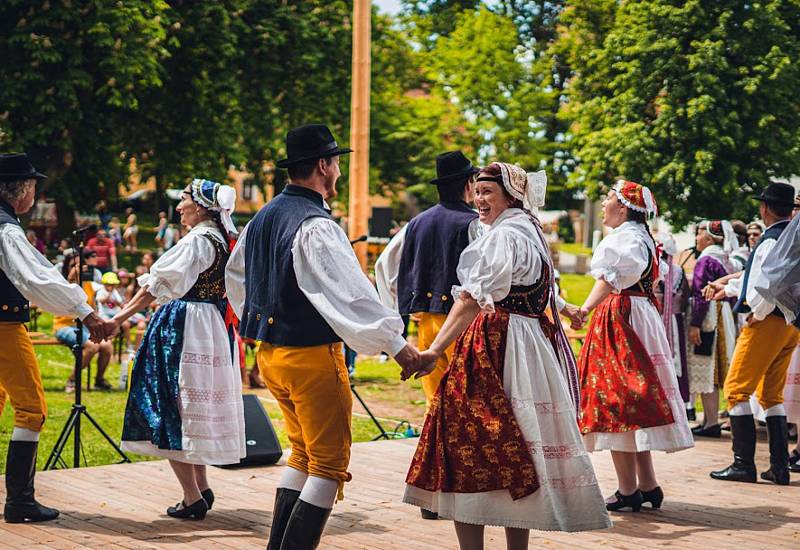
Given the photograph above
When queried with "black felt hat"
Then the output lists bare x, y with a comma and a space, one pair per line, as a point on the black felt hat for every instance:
452, 166
16, 166
310, 142
777, 193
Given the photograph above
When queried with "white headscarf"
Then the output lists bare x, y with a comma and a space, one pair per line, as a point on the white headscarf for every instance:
217, 198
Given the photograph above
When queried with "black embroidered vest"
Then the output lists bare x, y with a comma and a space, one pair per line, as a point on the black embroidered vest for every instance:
13, 305
529, 300
210, 284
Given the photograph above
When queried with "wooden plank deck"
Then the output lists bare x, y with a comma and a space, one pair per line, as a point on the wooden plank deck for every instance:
122, 506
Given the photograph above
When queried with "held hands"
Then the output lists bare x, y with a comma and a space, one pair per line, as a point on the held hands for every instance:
576, 315
714, 291
408, 359
95, 326
427, 362
111, 328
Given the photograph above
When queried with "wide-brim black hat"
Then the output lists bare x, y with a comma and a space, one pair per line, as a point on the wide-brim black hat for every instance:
452, 166
781, 194
310, 142
16, 166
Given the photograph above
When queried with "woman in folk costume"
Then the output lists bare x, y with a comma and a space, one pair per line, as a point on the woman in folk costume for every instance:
185, 399
712, 329
630, 403
500, 445
674, 306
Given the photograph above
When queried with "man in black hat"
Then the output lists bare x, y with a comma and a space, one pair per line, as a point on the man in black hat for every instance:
298, 288
26, 276
762, 354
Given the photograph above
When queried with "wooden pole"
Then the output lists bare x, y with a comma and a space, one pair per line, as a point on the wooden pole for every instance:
358, 215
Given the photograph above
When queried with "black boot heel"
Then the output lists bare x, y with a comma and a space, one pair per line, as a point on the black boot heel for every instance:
196, 510
208, 496
654, 497
634, 502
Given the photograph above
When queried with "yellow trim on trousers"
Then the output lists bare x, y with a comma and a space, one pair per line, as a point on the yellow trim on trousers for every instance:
760, 362
312, 387
429, 326
20, 378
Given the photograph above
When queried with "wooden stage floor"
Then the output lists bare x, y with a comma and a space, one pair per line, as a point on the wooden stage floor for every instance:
122, 506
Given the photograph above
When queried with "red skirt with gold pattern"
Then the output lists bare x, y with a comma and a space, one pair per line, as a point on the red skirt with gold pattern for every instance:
620, 390
471, 441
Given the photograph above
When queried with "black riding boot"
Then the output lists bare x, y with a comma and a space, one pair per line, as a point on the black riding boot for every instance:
743, 431
20, 469
305, 527
778, 451
285, 500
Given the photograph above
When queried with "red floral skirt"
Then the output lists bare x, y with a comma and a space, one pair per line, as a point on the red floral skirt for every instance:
471, 442
620, 390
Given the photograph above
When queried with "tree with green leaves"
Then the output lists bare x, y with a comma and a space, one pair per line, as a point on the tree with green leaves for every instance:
695, 99
72, 73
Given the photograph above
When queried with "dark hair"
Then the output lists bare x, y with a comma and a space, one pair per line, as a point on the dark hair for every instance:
780, 210
640, 217
495, 172
304, 170
453, 191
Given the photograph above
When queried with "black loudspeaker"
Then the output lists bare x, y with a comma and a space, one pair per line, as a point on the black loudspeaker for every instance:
262, 442
381, 222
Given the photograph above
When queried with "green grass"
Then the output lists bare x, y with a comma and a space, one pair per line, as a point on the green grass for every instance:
574, 248
576, 288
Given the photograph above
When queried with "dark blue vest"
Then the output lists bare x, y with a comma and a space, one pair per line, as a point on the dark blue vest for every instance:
773, 232
275, 309
13, 305
433, 244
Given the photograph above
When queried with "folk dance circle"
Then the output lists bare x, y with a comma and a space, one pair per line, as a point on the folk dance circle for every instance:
511, 413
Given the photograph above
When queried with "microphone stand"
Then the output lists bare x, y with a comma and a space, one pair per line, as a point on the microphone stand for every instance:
73, 423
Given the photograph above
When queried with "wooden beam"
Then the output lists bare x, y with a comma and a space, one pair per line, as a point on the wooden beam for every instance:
358, 215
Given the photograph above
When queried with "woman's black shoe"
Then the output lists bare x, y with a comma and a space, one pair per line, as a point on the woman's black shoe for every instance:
197, 510
707, 431
654, 497
634, 502
427, 514
794, 462
690, 415
208, 496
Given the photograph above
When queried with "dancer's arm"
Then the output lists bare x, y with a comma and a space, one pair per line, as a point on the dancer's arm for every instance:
141, 301
600, 290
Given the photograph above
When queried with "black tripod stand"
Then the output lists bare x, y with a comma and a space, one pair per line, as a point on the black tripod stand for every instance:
73, 424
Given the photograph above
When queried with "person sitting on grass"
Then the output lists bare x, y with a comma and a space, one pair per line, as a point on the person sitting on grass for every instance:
66, 334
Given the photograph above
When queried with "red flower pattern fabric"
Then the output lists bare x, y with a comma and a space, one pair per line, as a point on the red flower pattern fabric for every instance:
620, 390
471, 441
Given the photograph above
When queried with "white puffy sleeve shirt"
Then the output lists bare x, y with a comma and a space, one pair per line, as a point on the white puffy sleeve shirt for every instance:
621, 257
329, 275
504, 256
36, 278
759, 305
176, 272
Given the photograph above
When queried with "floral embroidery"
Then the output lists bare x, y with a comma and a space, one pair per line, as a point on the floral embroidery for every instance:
471, 441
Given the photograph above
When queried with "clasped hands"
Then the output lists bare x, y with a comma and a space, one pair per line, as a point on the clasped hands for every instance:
578, 316
100, 329
415, 363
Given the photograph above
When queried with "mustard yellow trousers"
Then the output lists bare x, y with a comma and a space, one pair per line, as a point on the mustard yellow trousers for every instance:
429, 326
312, 387
20, 379
760, 362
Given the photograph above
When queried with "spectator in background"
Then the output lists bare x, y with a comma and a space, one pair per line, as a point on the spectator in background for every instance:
161, 230
37, 243
103, 215
130, 231
109, 301
114, 231
170, 236
742, 252
103, 246
128, 287
66, 334
148, 259
754, 231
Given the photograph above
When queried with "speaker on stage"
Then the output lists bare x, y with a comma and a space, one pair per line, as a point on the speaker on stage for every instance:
381, 222
262, 442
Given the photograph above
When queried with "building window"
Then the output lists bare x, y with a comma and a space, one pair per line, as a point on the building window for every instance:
247, 189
